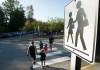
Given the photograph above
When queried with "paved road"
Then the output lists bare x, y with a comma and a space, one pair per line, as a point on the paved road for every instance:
13, 54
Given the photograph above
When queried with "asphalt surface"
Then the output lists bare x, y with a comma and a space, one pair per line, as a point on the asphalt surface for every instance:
13, 55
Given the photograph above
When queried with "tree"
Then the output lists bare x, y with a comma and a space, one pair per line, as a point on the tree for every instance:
56, 24
9, 7
53, 24
17, 20
29, 17
27, 27
30, 12
14, 14
30, 27
2, 23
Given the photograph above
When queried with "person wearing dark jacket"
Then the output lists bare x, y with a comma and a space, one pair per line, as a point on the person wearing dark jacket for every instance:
51, 40
32, 51
41, 44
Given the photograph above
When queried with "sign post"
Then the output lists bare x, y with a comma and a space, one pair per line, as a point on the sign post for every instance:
81, 22
75, 62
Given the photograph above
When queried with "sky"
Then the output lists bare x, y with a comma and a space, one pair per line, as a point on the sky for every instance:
45, 9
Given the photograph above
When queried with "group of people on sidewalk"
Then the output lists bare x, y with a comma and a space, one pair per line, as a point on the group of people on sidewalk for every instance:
32, 51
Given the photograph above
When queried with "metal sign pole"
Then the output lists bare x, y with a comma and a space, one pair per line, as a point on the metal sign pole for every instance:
78, 63
75, 62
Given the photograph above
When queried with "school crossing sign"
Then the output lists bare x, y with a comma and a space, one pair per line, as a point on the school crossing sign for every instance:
80, 30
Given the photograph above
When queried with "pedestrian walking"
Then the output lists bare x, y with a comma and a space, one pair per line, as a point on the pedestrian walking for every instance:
41, 44
43, 57
32, 51
51, 39
46, 48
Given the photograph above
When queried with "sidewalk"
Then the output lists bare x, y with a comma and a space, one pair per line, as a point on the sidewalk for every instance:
95, 66
85, 66
66, 66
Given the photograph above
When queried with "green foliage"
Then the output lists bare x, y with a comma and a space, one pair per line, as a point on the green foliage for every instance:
30, 26
12, 18
17, 20
56, 24
14, 15
2, 23
10, 5
27, 26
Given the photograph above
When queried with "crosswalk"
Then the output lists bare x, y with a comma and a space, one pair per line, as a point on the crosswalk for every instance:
56, 56
52, 57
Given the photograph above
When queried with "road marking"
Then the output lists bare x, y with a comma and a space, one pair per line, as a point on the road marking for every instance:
53, 61
51, 54
53, 49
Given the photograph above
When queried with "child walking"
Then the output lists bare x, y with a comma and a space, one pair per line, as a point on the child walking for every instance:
46, 48
43, 57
